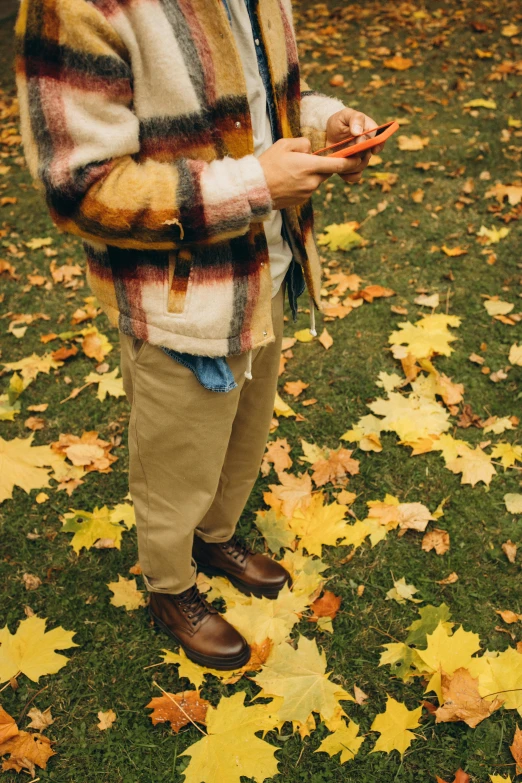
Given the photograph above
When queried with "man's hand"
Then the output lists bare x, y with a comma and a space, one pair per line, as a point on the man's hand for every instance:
349, 122
292, 173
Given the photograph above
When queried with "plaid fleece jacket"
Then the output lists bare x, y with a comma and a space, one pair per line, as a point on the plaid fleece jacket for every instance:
135, 122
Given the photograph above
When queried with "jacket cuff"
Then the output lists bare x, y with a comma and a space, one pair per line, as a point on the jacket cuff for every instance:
256, 188
316, 109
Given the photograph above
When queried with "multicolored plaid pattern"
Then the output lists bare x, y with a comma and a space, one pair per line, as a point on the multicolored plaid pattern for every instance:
135, 121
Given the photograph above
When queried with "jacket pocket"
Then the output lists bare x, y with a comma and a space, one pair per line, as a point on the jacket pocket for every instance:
179, 281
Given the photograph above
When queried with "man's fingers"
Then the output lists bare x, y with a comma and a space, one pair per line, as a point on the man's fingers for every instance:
326, 165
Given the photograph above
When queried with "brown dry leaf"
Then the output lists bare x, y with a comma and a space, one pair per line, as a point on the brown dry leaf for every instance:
8, 269
8, 727
372, 292
449, 580
462, 700
516, 750
336, 469
34, 423
460, 775
295, 388
311, 401
63, 353
277, 454
27, 752
436, 539
291, 493
89, 451
398, 63
96, 345
106, 719
513, 193
31, 581
360, 695
508, 616
418, 196
326, 339
326, 606
38, 408
178, 709
454, 251
337, 80
65, 274
259, 654
39, 720
510, 550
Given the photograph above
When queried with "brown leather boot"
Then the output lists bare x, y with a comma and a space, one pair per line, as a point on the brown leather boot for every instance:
250, 572
206, 637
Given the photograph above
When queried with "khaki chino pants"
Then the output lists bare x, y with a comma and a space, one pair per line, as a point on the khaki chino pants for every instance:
194, 454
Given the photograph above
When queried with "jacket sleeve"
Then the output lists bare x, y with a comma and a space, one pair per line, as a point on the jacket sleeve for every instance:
81, 139
316, 108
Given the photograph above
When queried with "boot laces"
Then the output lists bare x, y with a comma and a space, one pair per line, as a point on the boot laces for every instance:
194, 605
237, 549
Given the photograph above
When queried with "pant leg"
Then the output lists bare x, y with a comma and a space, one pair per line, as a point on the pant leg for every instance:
178, 439
248, 437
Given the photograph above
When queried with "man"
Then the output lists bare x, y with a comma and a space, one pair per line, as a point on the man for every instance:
174, 137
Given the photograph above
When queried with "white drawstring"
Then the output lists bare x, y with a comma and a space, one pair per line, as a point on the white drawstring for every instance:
248, 371
313, 331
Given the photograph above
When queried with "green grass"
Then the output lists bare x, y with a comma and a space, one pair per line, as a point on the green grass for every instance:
110, 667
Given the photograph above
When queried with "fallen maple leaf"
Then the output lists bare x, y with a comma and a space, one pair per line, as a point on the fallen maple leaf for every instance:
326, 339
460, 777
23, 465
274, 529
412, 143
345, 740
299, 677
516, 750
266, 618
295, 388
101, 524
474, 464
179, 709
394, 726
515, 355
95, 345
462, 700
32, 649
436, 539
341, 236
398, 63
277, 454
108, 383
88, 451
231, 729
126, 594
335, 468
291, 493
326, 606
8, 727
401, 592
106, 719
319, 524
39, 720
27, 752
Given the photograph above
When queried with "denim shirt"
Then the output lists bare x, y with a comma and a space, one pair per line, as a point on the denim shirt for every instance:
213, 372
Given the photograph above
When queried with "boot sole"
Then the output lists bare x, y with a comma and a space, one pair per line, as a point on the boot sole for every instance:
243, 587
205, 660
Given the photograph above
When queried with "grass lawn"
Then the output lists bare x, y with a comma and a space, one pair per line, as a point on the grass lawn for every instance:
113, 666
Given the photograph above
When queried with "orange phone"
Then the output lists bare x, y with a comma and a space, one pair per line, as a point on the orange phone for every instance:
347, 147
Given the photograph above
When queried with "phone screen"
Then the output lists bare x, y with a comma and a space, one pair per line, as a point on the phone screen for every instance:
342, 145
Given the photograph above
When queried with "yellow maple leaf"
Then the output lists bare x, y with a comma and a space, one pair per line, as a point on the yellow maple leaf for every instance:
507, 454
31, 366
304, 336
192, 671
492, 235
474, 464
428, 336
345, 740
275, 530
23, 465
299, 677
281, 408
513, 502
503, 678
412, 143
411, 417
101, 524
220, 587
446, 653
306, 572
500, 779
231, 750
394, 726
319, 524
366, 433
106, 719
126, 594
341, 236
108, 383
335, 468
401, 592
32, 649
95, 345
267, 618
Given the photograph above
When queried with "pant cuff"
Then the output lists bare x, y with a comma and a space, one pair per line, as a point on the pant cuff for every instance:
212, 539
175, 588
